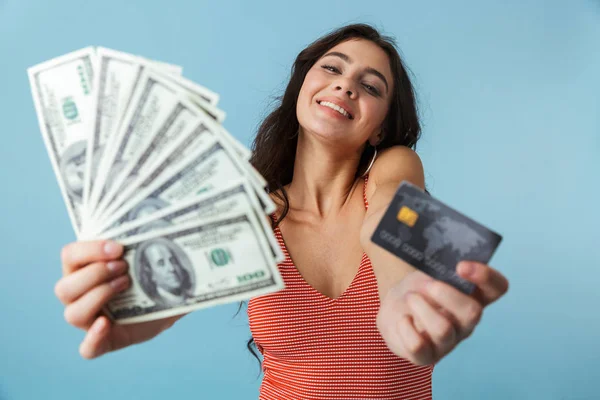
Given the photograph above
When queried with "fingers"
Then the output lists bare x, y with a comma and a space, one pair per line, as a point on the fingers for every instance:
491, 284
463, 311
83, 312
405, 334
428, 322
77, 283
96, 340
440, 331
417, 349
78, 254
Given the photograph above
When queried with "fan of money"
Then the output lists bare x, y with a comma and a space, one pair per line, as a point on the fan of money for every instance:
141, 157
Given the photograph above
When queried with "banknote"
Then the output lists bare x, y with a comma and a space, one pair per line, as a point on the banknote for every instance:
208, 166
194, 136
141, 157
167, 68
195, 265
236, 196
183, 116
62, 91
194, 92
172, 158
156, 101
117, 74
151, 104
242, 150
197, 94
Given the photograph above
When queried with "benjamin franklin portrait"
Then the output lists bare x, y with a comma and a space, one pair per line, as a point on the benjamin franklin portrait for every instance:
146, 207
165, 272
72, 169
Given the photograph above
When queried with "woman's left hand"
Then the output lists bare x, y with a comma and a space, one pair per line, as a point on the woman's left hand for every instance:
422, 319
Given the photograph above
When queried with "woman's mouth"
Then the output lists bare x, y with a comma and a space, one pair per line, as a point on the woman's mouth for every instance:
335, 107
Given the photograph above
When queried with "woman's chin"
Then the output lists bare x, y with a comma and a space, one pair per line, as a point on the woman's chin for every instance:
328, 132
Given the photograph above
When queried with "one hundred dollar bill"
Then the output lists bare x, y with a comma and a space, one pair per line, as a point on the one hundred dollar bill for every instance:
183, 115
173, 138
196, 265
194, 93
198, 94
167, 68
151, 104
209, 165
179, 152
232, 197
117, 74
62, 91
194, 135
132, 143
155, 102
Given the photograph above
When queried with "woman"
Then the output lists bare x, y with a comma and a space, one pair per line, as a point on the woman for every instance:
354, 321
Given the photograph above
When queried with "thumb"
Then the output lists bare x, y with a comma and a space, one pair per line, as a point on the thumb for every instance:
96, 341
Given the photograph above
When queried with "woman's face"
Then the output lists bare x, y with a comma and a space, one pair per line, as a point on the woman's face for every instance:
346, 95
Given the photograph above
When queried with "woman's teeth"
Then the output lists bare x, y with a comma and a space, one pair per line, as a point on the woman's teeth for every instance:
336, 108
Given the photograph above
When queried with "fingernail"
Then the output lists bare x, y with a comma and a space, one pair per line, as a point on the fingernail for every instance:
465, 268
111, 248
116, 267
120, 283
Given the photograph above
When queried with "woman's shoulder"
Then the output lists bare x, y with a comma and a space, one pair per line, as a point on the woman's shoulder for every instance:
395, 156
394, 164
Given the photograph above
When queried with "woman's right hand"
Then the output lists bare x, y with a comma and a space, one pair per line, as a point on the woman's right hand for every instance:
93, 273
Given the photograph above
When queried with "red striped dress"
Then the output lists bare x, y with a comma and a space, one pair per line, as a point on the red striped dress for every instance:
315, 347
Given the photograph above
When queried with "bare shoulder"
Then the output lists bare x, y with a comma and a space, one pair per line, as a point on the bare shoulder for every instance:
392, 166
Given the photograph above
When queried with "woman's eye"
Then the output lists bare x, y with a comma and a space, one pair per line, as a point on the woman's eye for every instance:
330, 68
371, 89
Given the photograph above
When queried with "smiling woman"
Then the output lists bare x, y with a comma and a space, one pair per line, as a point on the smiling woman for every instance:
319, 336
343, 326
353, 321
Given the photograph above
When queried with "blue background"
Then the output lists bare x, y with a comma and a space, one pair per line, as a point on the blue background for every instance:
509, 94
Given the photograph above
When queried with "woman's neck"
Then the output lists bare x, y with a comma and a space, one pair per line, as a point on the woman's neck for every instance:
323, 179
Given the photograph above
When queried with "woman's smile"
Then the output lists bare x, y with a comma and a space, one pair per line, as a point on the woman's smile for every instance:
338, 105
334, 111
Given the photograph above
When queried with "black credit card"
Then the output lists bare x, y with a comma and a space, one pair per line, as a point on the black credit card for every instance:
433, 237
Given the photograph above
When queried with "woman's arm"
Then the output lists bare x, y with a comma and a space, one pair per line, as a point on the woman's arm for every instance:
420, 318
394, 165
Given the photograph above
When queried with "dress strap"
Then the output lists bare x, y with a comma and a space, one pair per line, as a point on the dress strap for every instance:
365, 192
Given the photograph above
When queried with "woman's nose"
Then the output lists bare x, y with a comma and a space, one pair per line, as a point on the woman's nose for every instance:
346, 89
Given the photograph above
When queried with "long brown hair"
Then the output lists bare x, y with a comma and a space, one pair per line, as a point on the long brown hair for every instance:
274, 148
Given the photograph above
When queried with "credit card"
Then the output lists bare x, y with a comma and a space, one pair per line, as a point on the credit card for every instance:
433, 237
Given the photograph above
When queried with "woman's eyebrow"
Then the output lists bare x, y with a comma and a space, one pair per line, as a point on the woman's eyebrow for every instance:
369, 70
